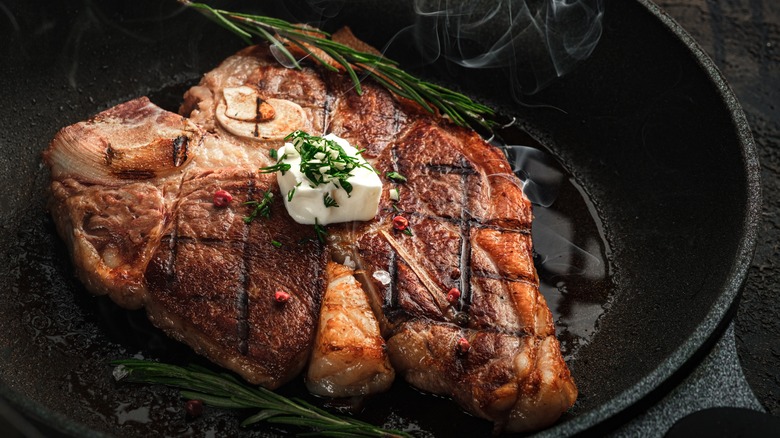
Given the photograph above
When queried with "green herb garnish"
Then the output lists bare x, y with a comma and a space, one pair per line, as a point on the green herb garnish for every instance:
322, 232
222, 390
272, 153
276, 243
284, 35
395, 176
261, 208
278, 167
346, 186
329, 202
324, 160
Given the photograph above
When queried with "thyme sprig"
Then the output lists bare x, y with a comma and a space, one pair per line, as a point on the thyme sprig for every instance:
222, 390
313, 42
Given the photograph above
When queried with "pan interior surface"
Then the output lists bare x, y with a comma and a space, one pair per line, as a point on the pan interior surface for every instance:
646, 127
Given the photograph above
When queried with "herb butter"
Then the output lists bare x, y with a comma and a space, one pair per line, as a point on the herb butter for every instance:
325, 180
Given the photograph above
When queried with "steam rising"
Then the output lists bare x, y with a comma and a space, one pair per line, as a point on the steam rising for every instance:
541, 176
555, 234
537, 40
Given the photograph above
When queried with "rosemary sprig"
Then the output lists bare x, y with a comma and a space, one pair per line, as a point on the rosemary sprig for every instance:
283, 35
225, 391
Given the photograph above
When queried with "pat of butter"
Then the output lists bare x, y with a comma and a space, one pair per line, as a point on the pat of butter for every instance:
306, 204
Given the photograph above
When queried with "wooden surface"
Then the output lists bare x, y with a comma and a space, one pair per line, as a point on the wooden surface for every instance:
742, 37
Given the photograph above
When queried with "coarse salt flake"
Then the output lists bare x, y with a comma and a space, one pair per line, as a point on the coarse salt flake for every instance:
119, 372
382, 276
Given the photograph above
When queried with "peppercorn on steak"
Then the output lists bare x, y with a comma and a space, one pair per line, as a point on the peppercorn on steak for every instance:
172, 212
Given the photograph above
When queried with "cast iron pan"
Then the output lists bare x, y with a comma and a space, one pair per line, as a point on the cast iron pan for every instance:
650, 132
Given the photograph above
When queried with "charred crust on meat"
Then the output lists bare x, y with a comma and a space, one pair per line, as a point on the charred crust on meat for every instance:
264, 111
391, 297
465, 249
458, 170
110, 154
242, 296
462, 319
135, 174
180, 146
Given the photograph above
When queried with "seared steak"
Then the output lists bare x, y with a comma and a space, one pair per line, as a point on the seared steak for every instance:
133, 196
349, 356
456, 297
494, 348
103, 203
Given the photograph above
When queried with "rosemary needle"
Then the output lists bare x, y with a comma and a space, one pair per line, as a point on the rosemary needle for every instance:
283, 35
222, 390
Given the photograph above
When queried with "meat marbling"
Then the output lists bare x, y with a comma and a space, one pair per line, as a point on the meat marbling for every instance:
132, 196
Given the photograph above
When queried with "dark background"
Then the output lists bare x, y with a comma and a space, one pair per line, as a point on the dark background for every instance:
742, 37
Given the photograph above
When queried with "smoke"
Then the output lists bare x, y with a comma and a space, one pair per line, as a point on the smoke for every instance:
536, 40
554, 229
541, 175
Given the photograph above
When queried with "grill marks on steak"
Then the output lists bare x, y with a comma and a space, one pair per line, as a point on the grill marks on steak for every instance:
471, 226
460, 231
204, 275
214, 278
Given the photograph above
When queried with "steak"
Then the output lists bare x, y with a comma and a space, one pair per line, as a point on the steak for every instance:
132, 195
349, 356
471, 232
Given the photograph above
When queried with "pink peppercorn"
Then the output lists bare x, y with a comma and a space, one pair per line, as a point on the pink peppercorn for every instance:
193, 408
453, 296
222, 198
463, 345
400, 223
281, 296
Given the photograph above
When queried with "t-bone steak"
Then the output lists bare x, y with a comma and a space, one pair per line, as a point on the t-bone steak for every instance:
132, 195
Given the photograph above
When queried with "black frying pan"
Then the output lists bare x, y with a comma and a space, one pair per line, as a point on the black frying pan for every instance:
650, 131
